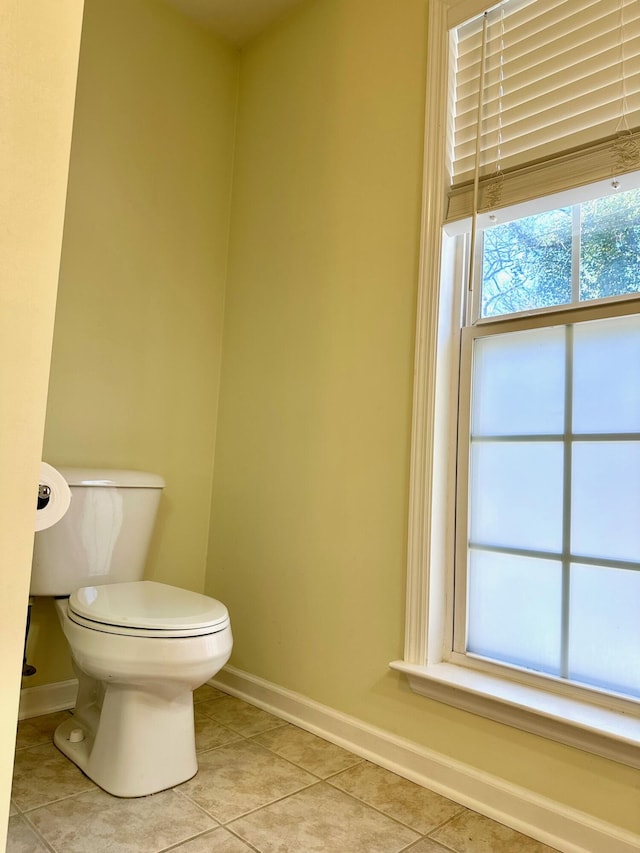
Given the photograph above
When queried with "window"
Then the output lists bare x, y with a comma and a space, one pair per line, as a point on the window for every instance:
524, 551
548, 562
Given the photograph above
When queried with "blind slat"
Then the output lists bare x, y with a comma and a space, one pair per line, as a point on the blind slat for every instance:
565, 102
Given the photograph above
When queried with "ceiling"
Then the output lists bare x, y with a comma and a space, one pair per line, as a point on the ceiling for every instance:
235, 20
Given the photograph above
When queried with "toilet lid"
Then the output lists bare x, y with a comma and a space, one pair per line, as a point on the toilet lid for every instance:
147, 607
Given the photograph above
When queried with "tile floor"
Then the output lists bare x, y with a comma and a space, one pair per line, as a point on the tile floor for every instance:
263, 785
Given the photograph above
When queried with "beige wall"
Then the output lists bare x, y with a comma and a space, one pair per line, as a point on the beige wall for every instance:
38, 64
310, 497
138, 331
308, 533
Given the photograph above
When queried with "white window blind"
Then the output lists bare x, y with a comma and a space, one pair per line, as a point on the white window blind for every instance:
560, 99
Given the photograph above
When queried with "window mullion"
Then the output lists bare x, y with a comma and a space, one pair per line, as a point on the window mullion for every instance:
568, 447
576, 219
566, 503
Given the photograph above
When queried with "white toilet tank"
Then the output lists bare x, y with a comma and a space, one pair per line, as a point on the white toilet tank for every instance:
104, 536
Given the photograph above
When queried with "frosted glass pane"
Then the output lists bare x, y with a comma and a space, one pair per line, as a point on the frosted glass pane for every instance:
518, 383
516, 495
605, 511
606, 385
515, 609
604, 632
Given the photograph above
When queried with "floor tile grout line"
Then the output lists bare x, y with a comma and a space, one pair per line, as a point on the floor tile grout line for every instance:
260, 746
414, 844
448, 820
246, 735
282, 757
47, 738
54, 849
13, 803
318, 779
33, 746
227, 729
278, 722
249, 844
301, 766
47, 735
226, 824
179, 844
203, 834
282, 723
421, 836
93, 787
227, 743
198, 806
383, 813
286, 724
347, 794
39, 835
345, 769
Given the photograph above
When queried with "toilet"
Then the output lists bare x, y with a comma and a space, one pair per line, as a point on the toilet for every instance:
139, 648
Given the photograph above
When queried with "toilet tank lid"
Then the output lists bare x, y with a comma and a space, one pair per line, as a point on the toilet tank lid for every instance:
111, 478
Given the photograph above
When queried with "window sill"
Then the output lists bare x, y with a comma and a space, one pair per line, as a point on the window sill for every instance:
601, 731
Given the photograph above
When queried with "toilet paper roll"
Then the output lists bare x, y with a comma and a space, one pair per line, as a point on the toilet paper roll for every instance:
54, 497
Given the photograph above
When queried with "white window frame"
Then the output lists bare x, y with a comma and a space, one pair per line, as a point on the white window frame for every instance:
609, 727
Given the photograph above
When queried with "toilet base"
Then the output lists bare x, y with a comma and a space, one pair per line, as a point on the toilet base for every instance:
117, 748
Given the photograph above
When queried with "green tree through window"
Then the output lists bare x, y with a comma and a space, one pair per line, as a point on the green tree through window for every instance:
528, 263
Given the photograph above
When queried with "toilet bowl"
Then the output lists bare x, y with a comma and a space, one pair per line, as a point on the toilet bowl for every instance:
132, 730
139, 648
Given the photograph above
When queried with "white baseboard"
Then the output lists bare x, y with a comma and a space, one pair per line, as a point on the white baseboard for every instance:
550, 822
35, 701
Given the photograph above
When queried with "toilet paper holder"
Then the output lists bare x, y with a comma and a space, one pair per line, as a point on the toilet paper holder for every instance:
44, 495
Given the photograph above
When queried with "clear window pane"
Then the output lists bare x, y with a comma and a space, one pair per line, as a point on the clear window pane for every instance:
526, 264
604, 644
606, 383
514, 606
605, 514
516, 495
518, 383
610, 246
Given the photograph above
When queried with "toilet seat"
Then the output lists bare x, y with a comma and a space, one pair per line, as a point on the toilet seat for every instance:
147, 609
